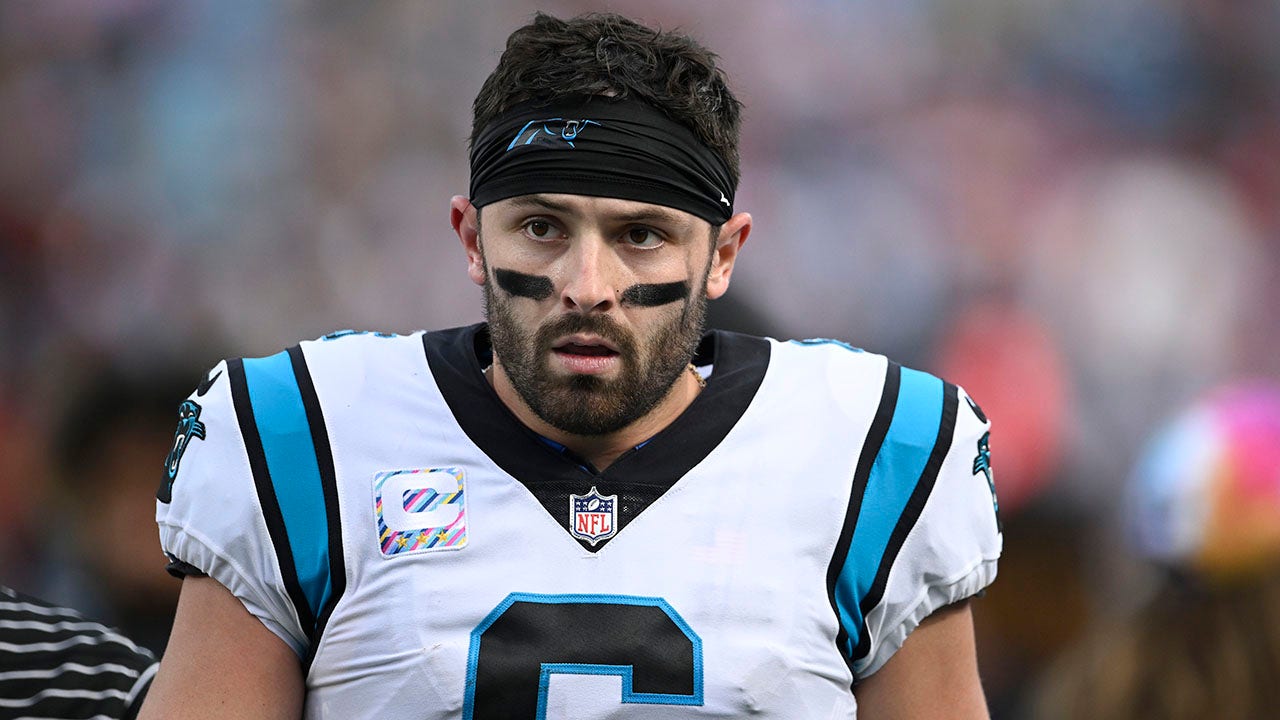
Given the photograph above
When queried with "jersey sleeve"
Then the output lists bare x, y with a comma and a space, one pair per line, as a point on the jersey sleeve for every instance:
922, 530
209, 508
950, 551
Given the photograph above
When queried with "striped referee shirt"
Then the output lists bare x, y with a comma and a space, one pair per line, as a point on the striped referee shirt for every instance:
55, 664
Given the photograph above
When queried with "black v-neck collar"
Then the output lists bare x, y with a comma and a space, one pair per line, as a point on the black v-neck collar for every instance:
740, 362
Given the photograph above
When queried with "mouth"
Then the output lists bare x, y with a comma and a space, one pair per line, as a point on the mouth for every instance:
585, 345
588, 350
585, 355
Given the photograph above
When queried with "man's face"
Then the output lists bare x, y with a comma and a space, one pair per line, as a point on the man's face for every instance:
595, 305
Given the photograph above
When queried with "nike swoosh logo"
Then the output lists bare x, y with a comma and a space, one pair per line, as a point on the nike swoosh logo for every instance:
207, 383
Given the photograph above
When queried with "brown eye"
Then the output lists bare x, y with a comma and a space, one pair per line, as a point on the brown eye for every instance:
644, 238
541, 230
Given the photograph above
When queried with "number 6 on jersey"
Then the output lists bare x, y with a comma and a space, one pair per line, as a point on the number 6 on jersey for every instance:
528, 638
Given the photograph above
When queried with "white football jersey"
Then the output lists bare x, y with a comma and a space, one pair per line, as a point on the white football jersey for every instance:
427, 556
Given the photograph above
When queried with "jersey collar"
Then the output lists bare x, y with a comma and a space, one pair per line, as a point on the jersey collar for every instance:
456, 358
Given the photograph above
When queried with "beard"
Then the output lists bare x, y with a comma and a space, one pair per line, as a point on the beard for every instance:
587, 404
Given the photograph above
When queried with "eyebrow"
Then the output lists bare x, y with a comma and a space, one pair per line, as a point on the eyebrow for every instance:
646, 215
538, 201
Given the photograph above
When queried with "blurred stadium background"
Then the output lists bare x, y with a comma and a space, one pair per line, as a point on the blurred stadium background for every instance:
1070, 207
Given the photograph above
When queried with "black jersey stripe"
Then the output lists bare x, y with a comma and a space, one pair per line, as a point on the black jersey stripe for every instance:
266, 491
329, 487
911, 513
870, 449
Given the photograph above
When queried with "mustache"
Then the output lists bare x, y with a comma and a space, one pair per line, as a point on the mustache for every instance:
601, 325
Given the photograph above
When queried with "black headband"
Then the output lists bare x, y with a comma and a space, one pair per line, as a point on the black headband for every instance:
603, 147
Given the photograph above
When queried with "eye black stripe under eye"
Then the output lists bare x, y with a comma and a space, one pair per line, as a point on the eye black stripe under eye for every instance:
655, 294
534, 287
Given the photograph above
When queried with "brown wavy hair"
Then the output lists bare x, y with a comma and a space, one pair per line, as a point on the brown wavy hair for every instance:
608, 54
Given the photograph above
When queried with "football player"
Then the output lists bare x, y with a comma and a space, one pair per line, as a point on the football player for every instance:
586, 507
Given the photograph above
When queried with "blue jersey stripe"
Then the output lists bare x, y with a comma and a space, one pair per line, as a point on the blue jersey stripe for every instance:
295, 475
909, 442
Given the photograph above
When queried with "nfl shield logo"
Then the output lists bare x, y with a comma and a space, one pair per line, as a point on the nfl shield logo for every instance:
593, 517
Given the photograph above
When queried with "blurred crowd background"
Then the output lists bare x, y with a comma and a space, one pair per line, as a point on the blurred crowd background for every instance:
1070, 207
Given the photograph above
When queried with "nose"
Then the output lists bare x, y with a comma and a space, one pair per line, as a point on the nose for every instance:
590, 268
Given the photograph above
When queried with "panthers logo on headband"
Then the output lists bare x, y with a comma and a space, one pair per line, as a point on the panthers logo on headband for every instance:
550, 131
189, 426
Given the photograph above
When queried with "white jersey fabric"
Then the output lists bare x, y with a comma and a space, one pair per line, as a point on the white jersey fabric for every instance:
370, 499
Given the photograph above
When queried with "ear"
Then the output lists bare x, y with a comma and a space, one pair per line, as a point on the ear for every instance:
463, 218
733, 233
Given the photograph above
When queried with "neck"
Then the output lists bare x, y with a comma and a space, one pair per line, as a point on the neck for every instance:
600, 450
